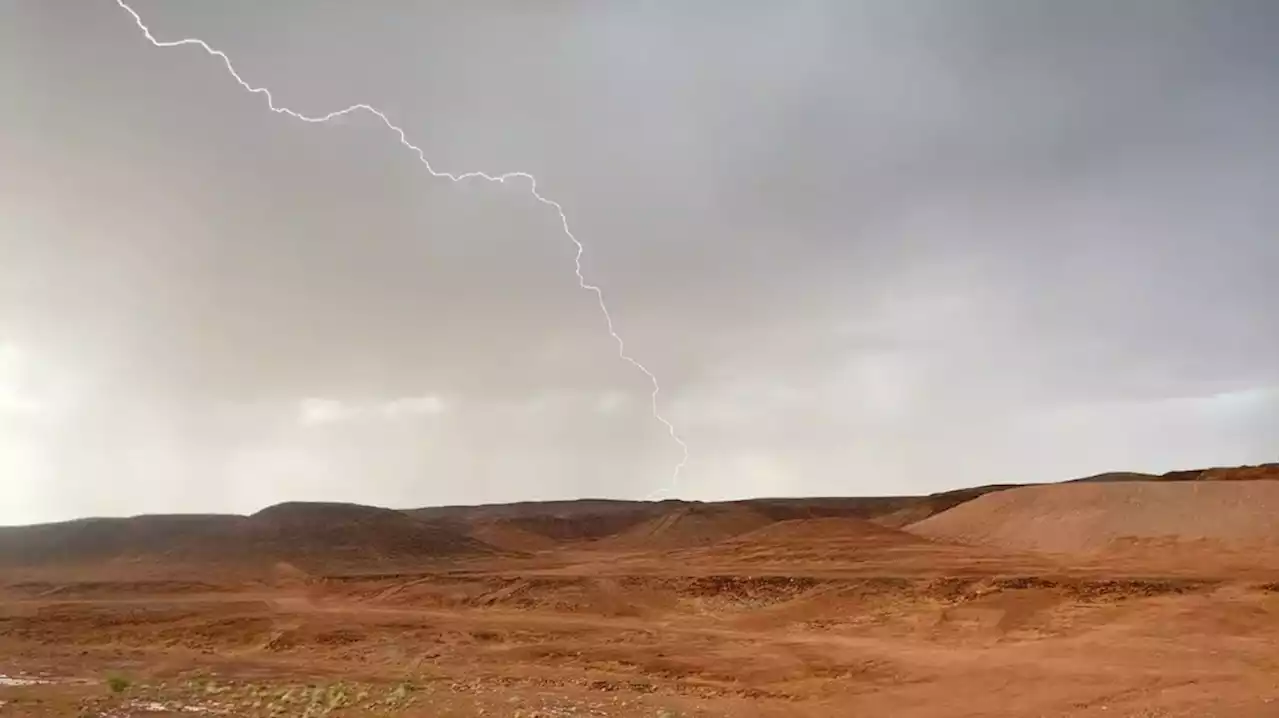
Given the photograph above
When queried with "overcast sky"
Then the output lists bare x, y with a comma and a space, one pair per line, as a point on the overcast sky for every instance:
866, 247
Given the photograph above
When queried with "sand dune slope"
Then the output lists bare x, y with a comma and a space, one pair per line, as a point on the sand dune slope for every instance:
1080, 518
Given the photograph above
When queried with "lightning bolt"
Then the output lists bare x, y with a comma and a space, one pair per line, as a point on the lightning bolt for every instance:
502, 179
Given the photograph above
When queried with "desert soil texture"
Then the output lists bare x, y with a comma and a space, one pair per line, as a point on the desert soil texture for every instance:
1115, 595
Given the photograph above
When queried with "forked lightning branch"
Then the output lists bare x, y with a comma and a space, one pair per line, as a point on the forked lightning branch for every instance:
421, 155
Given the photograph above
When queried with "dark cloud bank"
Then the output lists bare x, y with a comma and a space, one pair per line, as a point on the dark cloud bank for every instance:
868, 248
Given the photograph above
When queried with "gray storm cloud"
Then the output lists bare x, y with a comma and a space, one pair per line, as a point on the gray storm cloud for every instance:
867, 247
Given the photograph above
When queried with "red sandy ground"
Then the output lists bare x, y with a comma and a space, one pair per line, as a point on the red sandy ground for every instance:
1098, 598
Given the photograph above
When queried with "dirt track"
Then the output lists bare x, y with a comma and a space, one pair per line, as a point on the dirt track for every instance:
827, 616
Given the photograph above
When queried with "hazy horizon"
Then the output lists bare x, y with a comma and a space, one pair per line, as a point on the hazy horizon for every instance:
501, 503
867, 248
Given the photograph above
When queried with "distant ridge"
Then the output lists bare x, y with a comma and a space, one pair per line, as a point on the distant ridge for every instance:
325, 536
302, 534
1259, 472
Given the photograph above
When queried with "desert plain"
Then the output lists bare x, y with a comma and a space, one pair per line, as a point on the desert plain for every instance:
1115, 595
